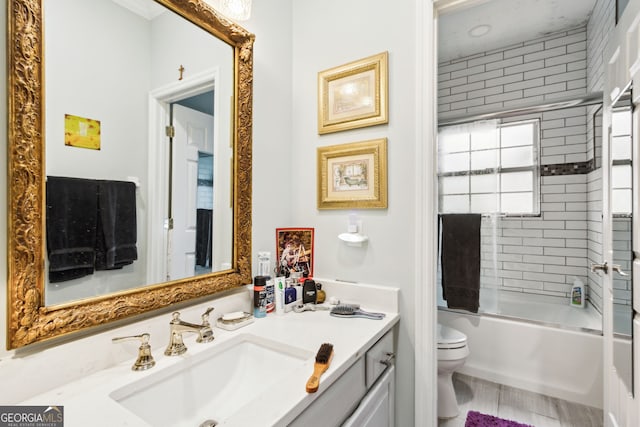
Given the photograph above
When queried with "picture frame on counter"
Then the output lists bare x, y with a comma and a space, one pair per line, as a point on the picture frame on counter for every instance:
294, 251
353, 175
354, 95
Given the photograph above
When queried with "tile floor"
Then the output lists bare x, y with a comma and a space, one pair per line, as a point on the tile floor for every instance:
518, 405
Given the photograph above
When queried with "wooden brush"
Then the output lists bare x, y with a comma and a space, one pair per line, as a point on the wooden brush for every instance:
323, 359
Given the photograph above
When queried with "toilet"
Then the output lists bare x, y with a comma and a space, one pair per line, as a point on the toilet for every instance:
452, 353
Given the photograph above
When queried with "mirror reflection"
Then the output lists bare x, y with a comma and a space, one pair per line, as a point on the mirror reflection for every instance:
128, 107
621, 188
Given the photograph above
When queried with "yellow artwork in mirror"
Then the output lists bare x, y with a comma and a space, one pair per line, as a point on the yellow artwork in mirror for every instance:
81, 132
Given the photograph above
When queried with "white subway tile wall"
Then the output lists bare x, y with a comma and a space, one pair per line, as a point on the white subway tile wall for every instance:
541, 255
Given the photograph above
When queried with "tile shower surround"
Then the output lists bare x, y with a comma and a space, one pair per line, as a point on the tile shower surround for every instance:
541, 255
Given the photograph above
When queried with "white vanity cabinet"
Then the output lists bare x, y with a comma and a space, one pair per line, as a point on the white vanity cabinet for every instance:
362, 397
377, 407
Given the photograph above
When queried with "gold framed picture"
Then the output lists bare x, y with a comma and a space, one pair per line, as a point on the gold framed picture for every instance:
353, 176
353, 95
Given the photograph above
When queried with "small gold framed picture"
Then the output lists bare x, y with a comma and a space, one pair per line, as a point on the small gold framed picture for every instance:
353, 176
353, 95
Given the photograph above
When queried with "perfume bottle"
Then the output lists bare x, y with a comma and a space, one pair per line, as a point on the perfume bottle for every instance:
321, 295
289, 294
309, 291
264, 264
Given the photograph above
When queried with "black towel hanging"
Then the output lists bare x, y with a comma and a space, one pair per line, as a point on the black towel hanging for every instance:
71, 219
460, 260
116, 235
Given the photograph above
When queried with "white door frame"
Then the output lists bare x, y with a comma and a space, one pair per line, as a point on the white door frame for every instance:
425, 309
158, 157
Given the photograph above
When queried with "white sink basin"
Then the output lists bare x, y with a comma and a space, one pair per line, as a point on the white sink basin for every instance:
213, 384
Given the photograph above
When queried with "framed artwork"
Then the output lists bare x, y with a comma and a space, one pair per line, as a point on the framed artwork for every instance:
81, 132
353, 95
353, 176
294, 251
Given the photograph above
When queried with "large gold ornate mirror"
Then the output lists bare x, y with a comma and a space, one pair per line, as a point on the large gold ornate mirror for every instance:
65, 126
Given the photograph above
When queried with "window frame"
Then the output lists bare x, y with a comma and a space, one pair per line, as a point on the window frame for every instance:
534, 168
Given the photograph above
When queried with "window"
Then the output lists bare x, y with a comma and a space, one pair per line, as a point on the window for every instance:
488, 167
621, 171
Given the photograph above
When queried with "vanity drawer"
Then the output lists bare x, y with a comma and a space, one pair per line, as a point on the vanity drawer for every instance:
336, 403
378, 357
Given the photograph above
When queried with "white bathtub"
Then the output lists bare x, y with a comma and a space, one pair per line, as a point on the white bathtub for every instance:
564, 362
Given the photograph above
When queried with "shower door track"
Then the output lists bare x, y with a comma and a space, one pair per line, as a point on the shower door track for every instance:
558, 104
525, 320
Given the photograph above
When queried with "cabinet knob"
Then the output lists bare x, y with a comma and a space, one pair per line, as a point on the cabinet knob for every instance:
388, 360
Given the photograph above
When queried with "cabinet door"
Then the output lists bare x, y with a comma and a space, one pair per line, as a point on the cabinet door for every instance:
377, 408
335, 403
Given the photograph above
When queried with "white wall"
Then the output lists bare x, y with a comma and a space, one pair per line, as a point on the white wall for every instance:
328, 34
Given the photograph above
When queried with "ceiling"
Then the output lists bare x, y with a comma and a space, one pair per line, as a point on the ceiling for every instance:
146, 8
508, 21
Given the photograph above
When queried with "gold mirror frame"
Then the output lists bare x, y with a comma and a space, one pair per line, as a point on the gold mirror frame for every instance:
28, 321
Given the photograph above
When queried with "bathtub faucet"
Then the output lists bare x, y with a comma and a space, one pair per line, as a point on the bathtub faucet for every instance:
177, 327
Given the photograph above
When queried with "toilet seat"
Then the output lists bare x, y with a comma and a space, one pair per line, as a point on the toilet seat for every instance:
449, 338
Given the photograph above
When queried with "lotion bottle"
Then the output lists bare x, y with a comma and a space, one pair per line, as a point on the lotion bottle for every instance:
280, 291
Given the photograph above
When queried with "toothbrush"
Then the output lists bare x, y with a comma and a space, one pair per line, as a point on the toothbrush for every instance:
323, 359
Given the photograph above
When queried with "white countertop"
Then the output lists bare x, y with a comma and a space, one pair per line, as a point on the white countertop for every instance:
87, 401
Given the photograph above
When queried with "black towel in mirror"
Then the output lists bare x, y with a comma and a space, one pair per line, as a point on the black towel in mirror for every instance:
204, 243
116, 235
460, 260
71, 227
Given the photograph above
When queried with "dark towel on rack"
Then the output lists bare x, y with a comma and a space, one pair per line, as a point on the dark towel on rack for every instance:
460, 260
71, 227
116, 235
204, 237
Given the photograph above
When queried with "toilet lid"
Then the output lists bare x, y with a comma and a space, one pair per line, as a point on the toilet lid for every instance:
450, 338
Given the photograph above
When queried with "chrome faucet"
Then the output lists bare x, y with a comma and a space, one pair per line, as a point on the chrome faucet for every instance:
177, 327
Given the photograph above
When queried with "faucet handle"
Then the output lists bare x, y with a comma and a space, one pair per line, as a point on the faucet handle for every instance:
205, 316
145, 358
175, 317
206, 333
